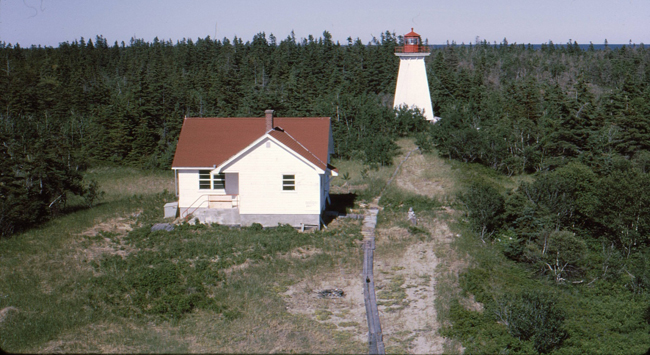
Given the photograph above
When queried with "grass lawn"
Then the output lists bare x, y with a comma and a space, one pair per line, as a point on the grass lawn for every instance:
86, 282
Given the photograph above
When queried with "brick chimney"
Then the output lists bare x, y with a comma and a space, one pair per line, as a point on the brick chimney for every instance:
269, 119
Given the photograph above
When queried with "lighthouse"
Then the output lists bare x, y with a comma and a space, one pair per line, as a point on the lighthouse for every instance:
412, 87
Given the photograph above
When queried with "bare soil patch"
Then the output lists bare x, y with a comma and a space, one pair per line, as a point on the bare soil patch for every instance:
120, 225
406, 295
4, 313
238, 267
425, 177
104, 238
347, 313
303, 253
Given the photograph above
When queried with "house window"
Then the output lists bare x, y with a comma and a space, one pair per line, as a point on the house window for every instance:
289, 182
204, 179
219, 181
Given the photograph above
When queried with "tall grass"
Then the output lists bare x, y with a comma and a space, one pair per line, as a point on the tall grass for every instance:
123, 182
367, 183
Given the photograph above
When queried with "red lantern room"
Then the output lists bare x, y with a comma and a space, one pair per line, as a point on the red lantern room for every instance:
412, 44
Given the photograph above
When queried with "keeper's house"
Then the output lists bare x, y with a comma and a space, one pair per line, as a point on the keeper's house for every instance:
245, 170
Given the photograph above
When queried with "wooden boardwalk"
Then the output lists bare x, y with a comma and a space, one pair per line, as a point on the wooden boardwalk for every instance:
375, 337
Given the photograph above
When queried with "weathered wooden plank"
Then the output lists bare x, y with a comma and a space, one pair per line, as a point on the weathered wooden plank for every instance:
375, 337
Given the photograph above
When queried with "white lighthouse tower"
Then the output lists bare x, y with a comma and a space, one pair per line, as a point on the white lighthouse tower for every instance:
412, 87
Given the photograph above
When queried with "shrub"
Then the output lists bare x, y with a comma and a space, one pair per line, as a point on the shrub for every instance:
555, 200
480, 334
472, 281
533, 315
256, 227
639, 266
150, 284
485, 207
564, 251
424, 141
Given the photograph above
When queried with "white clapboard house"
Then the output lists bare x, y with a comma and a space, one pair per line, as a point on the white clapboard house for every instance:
244, 170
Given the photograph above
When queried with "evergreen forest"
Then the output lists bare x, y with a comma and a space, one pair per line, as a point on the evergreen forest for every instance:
573, 123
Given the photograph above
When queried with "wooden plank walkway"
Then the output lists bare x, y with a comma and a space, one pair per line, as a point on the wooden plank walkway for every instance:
375, 337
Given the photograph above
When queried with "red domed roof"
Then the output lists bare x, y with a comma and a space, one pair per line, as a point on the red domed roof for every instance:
412, 44
411, 34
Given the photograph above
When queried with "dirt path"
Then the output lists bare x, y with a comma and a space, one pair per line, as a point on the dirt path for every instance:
404, 277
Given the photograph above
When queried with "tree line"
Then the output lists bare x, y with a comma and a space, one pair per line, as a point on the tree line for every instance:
575, 124
88, 102
582, 130
508, 106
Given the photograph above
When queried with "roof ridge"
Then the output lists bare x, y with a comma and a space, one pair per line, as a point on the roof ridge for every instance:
303, 147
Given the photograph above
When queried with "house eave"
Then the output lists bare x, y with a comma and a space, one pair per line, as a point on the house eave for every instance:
244, 151
193, 167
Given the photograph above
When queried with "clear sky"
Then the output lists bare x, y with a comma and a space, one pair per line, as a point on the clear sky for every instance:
49, 22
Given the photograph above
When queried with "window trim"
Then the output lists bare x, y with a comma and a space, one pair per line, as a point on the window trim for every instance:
208, 180
205, 181
288, 182
219, 178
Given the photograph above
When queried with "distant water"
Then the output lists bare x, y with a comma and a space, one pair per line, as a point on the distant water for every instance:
584, 47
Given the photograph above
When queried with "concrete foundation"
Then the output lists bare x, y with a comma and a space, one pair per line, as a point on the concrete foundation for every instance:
272, 220
232, 217
225, 216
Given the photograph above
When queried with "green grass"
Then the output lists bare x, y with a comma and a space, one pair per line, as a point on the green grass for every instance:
44, 276
122, 182
397, 200
365, 182
78, 284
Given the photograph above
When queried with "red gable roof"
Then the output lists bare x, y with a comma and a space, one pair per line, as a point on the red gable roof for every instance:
208, 142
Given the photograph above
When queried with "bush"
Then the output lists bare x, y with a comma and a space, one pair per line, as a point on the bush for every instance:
639, 266
555, 200
533, 315
424, 141
472, 281
564, 250
485, 207
480, 334
379, 150
92, 194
